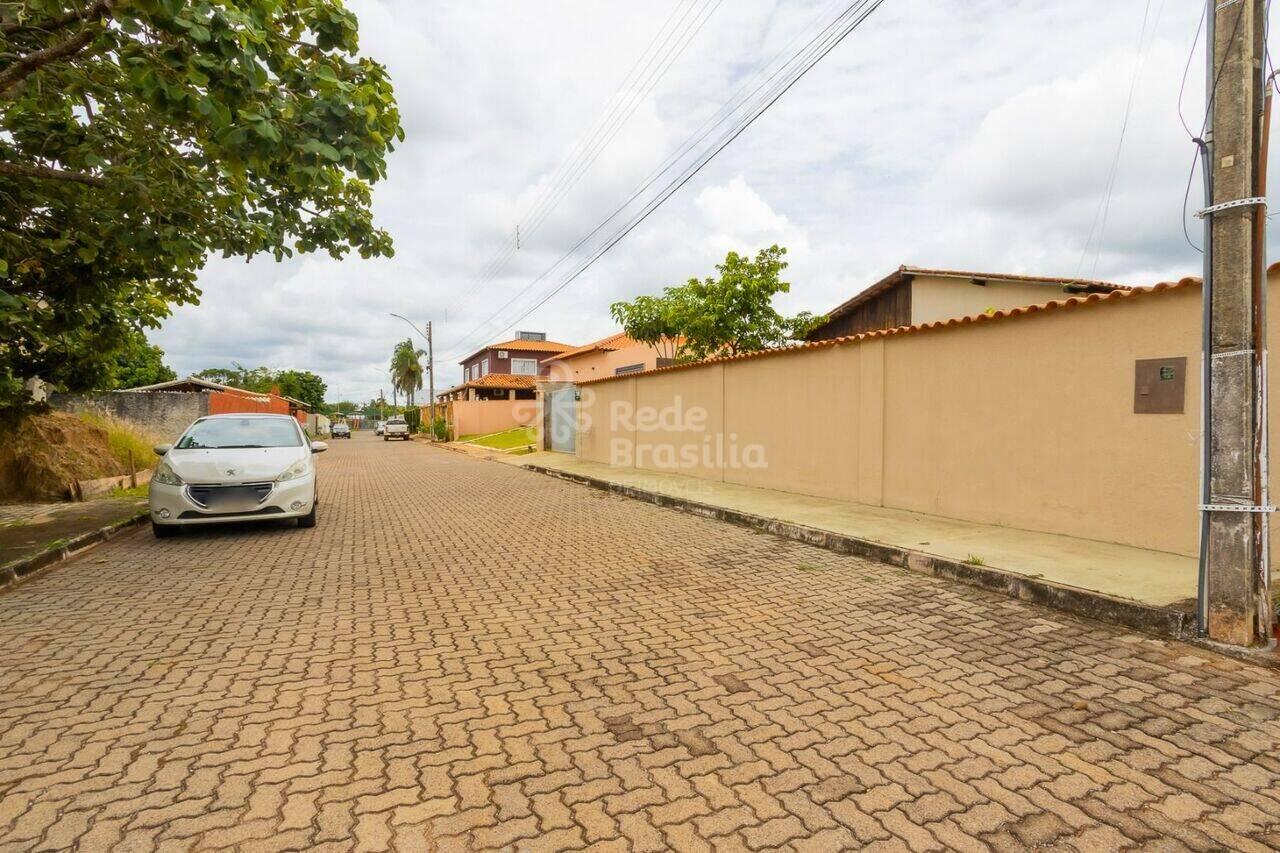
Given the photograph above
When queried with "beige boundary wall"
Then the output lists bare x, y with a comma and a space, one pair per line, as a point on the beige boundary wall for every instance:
482, 417
1022, 421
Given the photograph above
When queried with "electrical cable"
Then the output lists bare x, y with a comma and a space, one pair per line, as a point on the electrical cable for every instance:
732, 106
607, 128
857, 13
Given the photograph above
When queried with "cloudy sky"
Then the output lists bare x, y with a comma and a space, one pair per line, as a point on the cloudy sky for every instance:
976, 135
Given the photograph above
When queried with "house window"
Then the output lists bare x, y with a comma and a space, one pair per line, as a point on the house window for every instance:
630, 368
524, 366
484, 367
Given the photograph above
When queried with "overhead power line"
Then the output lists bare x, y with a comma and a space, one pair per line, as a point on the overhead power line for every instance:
667, 46
732, 120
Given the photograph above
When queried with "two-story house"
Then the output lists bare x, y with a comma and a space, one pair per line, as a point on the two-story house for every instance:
507, 370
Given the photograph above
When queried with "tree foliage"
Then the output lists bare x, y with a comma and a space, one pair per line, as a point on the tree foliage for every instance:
726, 315
407, 371
138, 136
300, 384
138, 362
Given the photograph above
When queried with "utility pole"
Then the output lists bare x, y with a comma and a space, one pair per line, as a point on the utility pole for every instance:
1234, 607
431, 381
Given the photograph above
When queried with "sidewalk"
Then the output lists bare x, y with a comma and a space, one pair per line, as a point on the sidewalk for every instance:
29, 531
1151, 578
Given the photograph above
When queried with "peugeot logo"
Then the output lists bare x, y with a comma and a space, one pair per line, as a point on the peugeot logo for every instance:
231, 472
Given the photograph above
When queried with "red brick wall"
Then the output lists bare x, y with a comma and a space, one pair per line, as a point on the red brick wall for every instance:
228, 403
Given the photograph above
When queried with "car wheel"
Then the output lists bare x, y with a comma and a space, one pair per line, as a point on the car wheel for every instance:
308, 520
164, 531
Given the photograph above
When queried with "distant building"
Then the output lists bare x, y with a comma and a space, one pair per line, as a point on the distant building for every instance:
505, 371
617, 354
909, 296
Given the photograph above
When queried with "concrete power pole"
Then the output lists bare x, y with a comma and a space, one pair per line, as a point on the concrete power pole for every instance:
431, 381
1234, 601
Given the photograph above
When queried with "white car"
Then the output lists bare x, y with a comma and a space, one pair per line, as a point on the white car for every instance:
395, 427
241, 467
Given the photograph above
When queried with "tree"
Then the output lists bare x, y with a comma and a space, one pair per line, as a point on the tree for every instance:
138, 362
406, 370
259, 379
138, 136
300, 384
727, 315
344, 407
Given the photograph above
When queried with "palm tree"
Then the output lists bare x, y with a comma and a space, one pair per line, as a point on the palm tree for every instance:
407, 370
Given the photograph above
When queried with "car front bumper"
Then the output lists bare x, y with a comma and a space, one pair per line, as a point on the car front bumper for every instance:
174, 505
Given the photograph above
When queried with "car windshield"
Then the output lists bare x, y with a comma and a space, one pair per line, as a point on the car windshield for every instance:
226, 433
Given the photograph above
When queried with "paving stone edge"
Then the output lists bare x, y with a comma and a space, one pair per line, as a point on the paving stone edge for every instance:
21, 569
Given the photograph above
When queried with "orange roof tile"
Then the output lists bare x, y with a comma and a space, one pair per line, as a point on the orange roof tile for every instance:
520, 344
613, 342
498, 380
1114, 296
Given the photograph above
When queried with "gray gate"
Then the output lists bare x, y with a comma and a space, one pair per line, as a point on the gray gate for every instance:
564, 420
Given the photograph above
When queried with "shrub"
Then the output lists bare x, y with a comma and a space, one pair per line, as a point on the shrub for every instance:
124, 438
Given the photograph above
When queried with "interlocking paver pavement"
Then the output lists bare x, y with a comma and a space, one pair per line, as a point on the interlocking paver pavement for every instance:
463, 655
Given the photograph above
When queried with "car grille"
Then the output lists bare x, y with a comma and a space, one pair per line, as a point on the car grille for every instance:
229, 498
266, 510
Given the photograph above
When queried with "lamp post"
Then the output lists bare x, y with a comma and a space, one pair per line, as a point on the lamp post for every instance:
431, 369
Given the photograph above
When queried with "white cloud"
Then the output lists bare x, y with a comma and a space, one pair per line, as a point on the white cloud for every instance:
958, 134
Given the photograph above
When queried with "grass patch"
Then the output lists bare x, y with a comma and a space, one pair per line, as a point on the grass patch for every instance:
507, 440
134, 492
124, 440
975, 560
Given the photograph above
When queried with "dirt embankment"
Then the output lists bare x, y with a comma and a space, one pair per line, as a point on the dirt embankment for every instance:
41, 454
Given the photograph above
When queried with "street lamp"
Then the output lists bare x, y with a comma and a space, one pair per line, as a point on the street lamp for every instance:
431, 368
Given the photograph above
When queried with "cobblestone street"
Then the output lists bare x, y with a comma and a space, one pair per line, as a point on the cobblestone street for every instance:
464, 655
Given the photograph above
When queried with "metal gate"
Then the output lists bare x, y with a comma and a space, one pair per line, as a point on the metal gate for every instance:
564, 420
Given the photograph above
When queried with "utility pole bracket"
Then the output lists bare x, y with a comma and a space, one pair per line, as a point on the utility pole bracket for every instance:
1228, 205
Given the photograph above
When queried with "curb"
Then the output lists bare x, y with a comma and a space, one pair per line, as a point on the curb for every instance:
21, 569
1149, 619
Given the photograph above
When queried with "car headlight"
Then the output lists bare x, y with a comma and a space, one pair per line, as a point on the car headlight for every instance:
294, 471
166, 475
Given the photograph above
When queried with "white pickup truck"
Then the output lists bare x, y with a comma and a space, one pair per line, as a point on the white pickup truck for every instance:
396, 427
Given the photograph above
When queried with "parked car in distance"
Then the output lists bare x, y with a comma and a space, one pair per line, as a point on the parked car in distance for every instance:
379, 427
242, 467
341, 429
396, 427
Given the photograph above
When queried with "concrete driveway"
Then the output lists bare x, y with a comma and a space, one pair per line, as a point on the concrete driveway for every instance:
464, 655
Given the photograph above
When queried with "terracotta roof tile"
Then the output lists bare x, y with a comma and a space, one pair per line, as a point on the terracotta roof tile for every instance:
520, 344
1112, 297
613, 342
498, 380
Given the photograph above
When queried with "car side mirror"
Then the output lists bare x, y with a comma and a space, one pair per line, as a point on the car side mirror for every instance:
162, 449
319, 447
